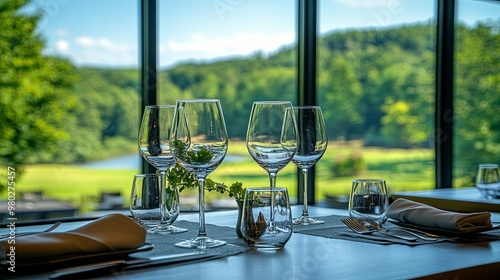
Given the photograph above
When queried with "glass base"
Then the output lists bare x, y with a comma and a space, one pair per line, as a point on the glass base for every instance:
201, 243
306, 220
166, 229
266, 247
490, 192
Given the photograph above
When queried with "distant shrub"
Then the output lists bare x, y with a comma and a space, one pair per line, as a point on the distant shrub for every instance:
348, 166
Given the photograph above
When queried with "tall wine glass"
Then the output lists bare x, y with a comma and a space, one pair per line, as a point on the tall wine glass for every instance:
313, 143
154, 146
272, 137
199, 144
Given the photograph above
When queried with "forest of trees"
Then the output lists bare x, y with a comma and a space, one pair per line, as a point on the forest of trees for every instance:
376, 85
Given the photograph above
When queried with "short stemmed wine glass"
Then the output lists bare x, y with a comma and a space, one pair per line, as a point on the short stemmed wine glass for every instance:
312, 146
199, 144
368, 200
272, 137
145, 203
154, 146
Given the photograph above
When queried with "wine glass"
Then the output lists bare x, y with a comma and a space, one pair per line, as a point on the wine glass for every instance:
255, 222
199, 144
368, 200
312, 146
272, 137
488, 179
154, 146
145, 203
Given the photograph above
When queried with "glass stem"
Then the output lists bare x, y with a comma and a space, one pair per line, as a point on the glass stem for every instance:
305, 211
272, 180
163, 185
201, 202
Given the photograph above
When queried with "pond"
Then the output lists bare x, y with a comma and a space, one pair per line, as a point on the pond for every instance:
133, 161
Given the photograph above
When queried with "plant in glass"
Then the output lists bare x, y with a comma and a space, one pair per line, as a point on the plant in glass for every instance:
199, 144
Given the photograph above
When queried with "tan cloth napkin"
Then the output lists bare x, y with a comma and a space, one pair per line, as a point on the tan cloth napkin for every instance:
111, 233
411, 212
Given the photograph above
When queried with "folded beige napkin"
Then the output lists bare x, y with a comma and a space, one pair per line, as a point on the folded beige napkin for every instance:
111, 233
411, 212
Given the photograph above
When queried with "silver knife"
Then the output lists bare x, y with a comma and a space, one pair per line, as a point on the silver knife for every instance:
95, 269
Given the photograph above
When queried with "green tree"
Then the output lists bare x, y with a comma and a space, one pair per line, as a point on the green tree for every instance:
34, 89
105, 120
477, 101
398, 124
340, 94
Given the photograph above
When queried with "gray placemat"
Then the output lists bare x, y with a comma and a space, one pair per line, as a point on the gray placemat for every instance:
164, 244
335, 228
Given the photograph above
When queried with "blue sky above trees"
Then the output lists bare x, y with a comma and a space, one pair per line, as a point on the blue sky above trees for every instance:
105, 33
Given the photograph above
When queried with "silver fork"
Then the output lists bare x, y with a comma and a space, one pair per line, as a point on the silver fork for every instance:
51, 228
437, 236
380, 228
360, 228
357, 227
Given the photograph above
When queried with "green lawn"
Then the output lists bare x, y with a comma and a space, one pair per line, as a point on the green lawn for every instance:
403, 169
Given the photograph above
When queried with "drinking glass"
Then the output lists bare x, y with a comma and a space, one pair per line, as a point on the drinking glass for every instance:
312, 145
199, 144
488, 179
154, 146
368, 200
272, 136
145, 204
257, 228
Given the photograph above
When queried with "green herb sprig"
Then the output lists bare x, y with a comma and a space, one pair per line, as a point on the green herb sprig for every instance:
183, 179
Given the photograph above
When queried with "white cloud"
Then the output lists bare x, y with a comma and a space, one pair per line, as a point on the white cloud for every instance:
238, 44
104, 51
100, 43
85, 41
61, 32
62, 45
87, 50
107, 58
367, 3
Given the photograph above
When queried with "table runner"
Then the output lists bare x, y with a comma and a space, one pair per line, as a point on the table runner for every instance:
335, 228
164, 243
332, 228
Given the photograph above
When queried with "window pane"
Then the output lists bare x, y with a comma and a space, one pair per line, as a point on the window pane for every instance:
238, 52
376, 71
81, 106
477, 91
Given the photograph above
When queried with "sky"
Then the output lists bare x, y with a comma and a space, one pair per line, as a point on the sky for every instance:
106, 32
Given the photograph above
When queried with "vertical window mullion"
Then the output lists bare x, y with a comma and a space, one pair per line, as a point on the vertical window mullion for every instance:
444, 93
148, 24
306, 91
